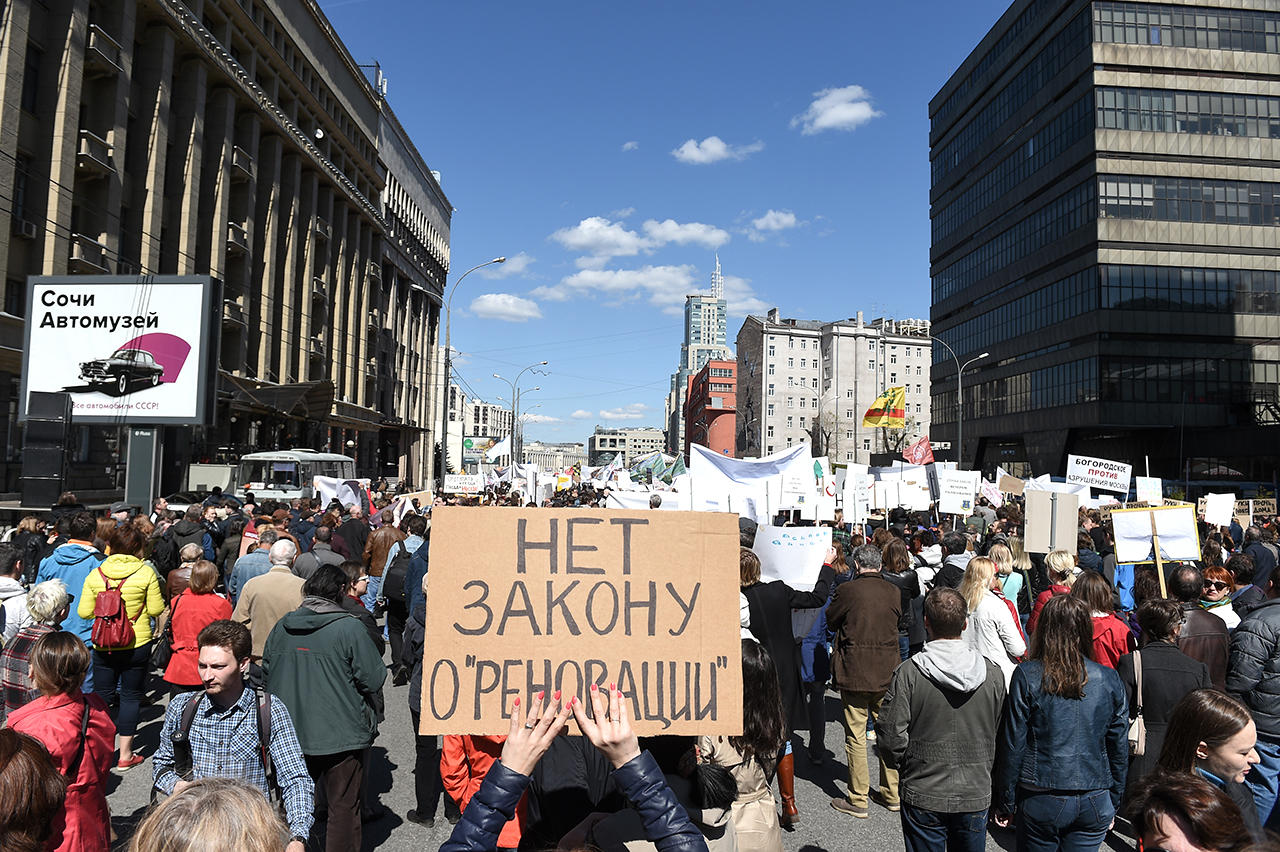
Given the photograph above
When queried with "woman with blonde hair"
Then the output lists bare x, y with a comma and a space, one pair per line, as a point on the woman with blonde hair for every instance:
1061, 568
992, 629
212, 813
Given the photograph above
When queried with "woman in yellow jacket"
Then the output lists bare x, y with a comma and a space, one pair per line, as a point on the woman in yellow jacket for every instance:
124, 668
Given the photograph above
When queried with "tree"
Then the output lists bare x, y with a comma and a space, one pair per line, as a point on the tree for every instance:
894, 440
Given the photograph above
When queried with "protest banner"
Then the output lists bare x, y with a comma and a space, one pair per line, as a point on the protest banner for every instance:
1218, 509
463, 483
1246, 510
793, 555
1155, 534
1052, 521
993, 494
1150, 489
857, 493
524, 600
1103, 474
956, 491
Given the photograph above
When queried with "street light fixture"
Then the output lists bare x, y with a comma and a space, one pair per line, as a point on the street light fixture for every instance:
515, 403
960, 368
448, 358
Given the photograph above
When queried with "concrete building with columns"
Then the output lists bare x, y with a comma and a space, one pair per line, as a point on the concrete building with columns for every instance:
237, 138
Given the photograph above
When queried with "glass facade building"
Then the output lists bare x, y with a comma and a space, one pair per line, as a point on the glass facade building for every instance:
1104, 204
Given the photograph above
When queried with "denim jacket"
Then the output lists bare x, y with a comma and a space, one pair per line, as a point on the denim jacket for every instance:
666, 823
1048, 742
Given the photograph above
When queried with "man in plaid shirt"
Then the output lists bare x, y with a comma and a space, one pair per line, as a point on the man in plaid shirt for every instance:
224, 732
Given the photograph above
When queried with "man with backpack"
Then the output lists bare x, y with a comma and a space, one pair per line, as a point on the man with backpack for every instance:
210, 733
400, 563
72, 562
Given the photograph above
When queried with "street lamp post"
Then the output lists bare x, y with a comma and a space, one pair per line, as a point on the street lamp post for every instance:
448, 358
960, 368
515, 402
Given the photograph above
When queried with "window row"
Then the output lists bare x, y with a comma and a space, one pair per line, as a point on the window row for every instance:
1165, 199
1072, 383
1068, 45
1183, 289
1069, 127
1197, 380
1186, 26
1201, 113
1057, 302
1064, 214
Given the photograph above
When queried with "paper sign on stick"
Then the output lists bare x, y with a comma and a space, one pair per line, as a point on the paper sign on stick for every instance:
463, 483
1103, 474
1010, 485
1150, 489
793, 555
523, 600
1218, 509
1052, 521
956, 489
1176, 526
992, 493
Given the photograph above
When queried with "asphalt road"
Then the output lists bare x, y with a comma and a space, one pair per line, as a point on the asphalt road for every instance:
820, 827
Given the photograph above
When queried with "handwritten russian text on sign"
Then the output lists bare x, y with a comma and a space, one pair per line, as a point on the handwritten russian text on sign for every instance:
463, 483
793, 555
523, 600
1102, 474
1150, 489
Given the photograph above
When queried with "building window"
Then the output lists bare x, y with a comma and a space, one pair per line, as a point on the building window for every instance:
848, 456
848, 394
804, 344
848, 434
31, 79
871, 363
893, 378
791, 381
893, 359
791, 402
791, 362
790, 422
804, 401
791, 343
866, 443
815, 382
848, 412
772, 350
770, 390
771, 409
918, 371
803, 421
769, 430
917, 408
769, 449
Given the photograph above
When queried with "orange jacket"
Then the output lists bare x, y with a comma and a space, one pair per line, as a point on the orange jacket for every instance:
464, 761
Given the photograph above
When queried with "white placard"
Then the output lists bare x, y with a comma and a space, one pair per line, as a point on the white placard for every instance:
1103, 474
993, 494
463, 483
957, 489
857, 493
1176, 526
1219, 509
793, 555
1150, 489
915, 496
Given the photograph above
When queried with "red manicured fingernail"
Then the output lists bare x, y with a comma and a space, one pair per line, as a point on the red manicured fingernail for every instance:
538, 697
612, 687
555, 696
594, 687
517, 702
573, 701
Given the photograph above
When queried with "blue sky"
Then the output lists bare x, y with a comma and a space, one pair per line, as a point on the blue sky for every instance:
609, 150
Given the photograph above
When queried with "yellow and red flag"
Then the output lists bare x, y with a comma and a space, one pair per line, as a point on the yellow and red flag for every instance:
889, 410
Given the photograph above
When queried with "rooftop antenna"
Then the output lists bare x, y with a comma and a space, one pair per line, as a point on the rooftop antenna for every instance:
717, 281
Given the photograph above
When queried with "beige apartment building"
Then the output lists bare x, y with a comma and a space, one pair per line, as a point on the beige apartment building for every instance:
237, 138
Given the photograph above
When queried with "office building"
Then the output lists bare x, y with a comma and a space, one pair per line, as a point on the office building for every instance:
604, 444
704, 341
473, 425
1104, 202
554, 457
809, 381
709, 408
237, 138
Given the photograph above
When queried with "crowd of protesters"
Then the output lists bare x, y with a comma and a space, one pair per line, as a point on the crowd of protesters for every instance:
1061, 695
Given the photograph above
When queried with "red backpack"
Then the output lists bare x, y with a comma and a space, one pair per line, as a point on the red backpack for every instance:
112, 626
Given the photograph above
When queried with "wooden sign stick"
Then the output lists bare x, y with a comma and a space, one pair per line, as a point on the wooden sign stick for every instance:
1155, 546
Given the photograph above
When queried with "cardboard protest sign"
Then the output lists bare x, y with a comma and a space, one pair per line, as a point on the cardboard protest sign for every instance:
957, 490
1218, 509
523, 600
1103, 474
793, 555
1010, 485
1175, 525
1150, 489
1052, 521
463, 483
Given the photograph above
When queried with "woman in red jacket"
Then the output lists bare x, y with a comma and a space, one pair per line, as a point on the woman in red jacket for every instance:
79, 734
465, 761
193, 611
1112, 638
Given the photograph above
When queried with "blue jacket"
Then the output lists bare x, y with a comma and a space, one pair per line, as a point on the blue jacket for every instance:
413, 577
666, 823
253, 564
1055, 743
72, 564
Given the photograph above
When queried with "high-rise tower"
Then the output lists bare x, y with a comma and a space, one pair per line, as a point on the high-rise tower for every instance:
704, 340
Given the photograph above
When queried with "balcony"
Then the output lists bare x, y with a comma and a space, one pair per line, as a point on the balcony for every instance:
87, 256
93, 157
315, 349
237, 238
319, 290
375, 273
232, 314
102, 54
322, 228
243, 167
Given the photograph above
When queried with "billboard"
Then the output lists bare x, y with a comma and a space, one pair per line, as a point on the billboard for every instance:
475, 446
127, 349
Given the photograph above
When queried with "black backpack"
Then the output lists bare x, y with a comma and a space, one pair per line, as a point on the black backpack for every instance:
164, 555
393, 578
182, 762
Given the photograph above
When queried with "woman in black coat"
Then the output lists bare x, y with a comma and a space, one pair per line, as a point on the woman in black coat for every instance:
896, 559
770, 605
1167, 676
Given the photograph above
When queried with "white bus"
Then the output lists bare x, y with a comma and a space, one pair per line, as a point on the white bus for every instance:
288, 474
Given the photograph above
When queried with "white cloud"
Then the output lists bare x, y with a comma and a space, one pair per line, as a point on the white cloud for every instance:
582, 414
740, 299
665, 286
539, 418
630, 146
671, 231
845, 108
515, 265
505, 307
598, 236
634, 411
775, 220
713, 149
623, 213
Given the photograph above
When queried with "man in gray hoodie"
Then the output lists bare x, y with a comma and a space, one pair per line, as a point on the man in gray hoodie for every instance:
937, 726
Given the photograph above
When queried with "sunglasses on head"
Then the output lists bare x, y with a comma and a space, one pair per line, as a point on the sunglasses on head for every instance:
1217, 585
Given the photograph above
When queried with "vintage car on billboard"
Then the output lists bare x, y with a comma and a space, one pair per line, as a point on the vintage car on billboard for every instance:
123, 368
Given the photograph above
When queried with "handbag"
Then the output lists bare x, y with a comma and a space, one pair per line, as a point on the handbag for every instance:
1138, 727
162, 651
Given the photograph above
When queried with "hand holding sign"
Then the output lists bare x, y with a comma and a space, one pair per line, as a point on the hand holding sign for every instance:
529, 740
